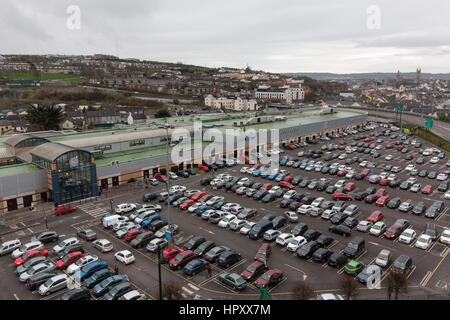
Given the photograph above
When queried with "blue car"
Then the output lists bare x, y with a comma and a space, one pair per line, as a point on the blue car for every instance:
280, 177
146, 222
195, 266
108, 283
91, 268
202, 209
273, 176
303, 165
283, 162
97, 277
257, 173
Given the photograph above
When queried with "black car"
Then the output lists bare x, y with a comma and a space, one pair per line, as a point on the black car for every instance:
340, 229
322, 255
257, 185
260, 194
308, 199
394, 183
311, 234
76, 294
285, 203
193, 243
337, 260
330, 189
118, 291
46, 236
279, 222
443, 186
324, 240
204, 247
338, 218
307, 250
269, 197
419, 209
304, 183
297, 180
36, 280
71, 248
350, 222
205, 181
432, 175
394, 203
156, 225
149, 197
142, 239
228, 258
183, 174
360, 195
299, 229
247, 213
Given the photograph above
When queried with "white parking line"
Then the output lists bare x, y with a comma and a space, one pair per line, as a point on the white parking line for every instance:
15, 296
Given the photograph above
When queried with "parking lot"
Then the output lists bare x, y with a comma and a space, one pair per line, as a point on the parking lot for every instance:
430, 266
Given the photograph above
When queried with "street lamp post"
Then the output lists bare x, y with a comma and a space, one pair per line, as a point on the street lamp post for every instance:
159, 272
168, 185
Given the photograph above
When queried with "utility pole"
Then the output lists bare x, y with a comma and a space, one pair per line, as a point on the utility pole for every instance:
168, 186
159, 272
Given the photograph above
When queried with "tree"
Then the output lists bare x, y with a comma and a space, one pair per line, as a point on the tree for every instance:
396, 282
302, 291
349, 287
172, 291
162, 113
45, 117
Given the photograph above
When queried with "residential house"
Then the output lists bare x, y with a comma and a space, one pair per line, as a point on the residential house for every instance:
5, 127
100, 117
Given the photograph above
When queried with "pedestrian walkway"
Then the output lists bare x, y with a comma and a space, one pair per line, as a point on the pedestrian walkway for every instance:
93, 209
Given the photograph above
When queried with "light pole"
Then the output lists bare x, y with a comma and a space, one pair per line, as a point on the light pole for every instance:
168, 186
159, 272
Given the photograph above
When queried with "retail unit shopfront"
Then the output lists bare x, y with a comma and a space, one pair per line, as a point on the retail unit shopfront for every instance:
71, 172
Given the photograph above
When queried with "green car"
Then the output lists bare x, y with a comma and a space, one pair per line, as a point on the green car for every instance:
233, 280
354, 267
192, 171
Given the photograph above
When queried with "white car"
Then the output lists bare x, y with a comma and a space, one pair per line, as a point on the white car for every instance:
350, 175
389, 157
423, 242
124, 208
195, 206
378, 229
391, 177
26, 247
363, 163
329, 296
244, 169
274, 189
296, 243
445, 236
410, 167
289, 194
407, 236
383, 258
124, 256
177, 189
427, 152
247, 227
242, 181
74, 267
103, 245
226, 220
133, 295
172, 175
434, 160
305, 209
317, 202
284, 238
384, 175
447, 195
340, 183
119, 225
236, 224
153, 245
442, 177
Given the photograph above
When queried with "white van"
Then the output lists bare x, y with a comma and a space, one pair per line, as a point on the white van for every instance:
25, 248
9, 246
64, 244
110, 221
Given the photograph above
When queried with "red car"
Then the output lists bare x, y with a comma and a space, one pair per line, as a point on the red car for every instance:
170, 253
198, 195
186, 204
263, 252
249, 161
372, 146
350, 186
427, 189
131, 234
30, 255
341, 173
205, 198
68, 259
63, 209
161, 177
341, 147
257, 166
342, 196
365, 172
253, 271
368, 139
291, 146
382, 201
383, 182
269, 278
285, 184
381, 192
375, 216
371, 198
203, 168
266, 186
393, 232
182, 259
288, 179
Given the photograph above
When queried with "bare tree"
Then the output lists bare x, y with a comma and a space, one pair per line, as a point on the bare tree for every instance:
302, 291
349, 287
172, 291
396, 282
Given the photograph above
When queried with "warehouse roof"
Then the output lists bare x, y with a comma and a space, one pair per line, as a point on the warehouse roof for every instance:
52, 150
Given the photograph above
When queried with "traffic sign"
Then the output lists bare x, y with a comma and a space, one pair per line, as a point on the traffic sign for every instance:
400, 108
428, 123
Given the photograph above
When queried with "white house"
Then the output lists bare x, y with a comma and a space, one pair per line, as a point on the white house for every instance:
237, 104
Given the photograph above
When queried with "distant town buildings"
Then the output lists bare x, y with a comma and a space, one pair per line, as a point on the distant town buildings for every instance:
236, 104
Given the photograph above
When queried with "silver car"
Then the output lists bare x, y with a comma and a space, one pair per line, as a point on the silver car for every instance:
38, 268
32, 262
53, 284
103, 245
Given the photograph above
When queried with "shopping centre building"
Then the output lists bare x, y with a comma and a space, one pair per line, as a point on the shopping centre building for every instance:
65, 166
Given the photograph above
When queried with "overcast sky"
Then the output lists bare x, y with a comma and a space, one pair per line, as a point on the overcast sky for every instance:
276, 35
